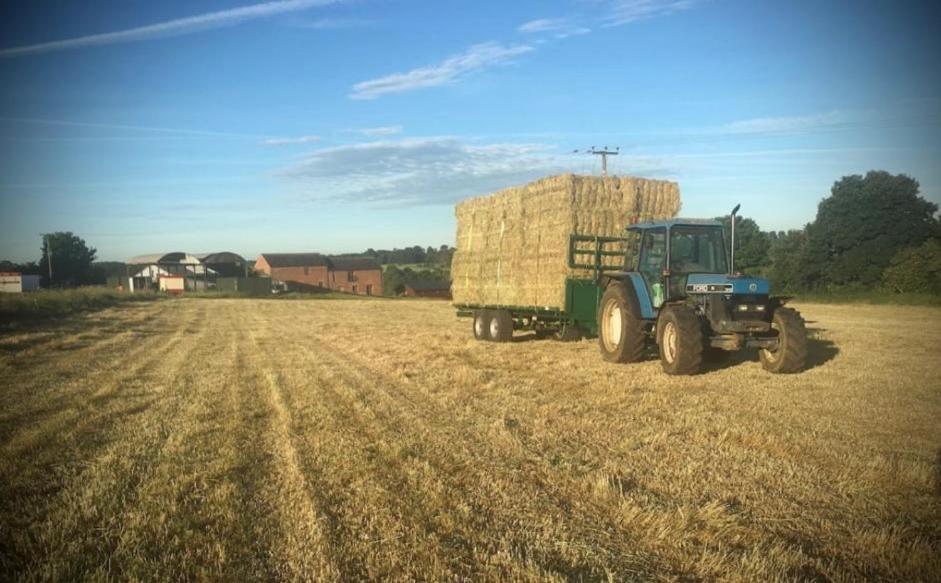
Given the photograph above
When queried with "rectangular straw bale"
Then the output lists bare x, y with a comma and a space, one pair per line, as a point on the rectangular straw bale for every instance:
512, 246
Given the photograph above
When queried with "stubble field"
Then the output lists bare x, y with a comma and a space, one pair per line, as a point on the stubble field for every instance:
328, 440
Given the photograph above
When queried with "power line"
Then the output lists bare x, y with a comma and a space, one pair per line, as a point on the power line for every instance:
604, 153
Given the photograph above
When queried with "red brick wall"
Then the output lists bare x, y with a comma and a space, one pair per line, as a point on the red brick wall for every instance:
339, 280
319, 275
313, 275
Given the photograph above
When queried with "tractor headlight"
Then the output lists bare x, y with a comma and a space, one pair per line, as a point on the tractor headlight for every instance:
760, 308
743, 307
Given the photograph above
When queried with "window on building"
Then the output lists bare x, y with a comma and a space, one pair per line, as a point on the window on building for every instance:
306, 270
350, 276
368, 289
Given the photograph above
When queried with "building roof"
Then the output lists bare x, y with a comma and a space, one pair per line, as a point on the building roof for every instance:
186, 258
220, 257
346, 263
337, 262
152, 258
429, 285
295, 259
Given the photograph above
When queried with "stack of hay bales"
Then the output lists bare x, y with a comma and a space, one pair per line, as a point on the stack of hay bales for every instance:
512, 246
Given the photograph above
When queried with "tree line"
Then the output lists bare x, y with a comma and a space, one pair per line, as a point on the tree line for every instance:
440, 256
874, 232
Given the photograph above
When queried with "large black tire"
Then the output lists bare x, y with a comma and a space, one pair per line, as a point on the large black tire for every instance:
482, 324
791, 354
621, 334
501, 326
680, 340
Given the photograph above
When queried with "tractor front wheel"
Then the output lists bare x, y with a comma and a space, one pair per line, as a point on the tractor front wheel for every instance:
681, 341
791, 354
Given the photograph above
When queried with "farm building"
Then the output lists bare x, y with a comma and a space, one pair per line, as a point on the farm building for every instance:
199, 272
356, 275
15, 282
429, 289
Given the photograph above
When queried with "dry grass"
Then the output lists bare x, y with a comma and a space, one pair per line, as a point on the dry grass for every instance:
250, 439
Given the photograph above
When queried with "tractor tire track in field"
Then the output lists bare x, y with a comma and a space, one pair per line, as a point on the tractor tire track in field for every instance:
237, 440
428, 435
98, 489
91, 376
301, 520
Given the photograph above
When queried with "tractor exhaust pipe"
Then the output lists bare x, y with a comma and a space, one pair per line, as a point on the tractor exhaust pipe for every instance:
732, 259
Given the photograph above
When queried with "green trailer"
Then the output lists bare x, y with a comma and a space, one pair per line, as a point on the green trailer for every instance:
578, 317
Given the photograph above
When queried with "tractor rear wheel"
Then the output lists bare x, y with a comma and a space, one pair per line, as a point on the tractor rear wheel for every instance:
621, 334
791, 354
482, 324
501, 326
681, 340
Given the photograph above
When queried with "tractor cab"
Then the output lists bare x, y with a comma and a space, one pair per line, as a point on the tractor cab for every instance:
686, 260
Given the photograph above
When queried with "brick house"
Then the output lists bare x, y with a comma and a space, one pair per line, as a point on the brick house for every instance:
357, 275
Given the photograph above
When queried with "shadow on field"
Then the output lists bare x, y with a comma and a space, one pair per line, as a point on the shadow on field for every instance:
819, 352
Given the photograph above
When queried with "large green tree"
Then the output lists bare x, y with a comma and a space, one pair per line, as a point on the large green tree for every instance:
861, 226
916, 269
71, 259
787, 272
751, 245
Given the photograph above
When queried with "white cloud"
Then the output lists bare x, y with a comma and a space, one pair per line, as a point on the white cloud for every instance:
434, 170
558, 27
788, 124
333, 23
543, 25
476, 58
627, 11
175, 27
294, 140
380, 131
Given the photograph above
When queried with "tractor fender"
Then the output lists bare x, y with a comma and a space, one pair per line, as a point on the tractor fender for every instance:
636, 301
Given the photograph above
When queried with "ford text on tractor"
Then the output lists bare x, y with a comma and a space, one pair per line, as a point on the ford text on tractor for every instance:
677, 288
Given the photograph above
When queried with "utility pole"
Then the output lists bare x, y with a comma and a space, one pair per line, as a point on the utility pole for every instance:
48, 257
604, 153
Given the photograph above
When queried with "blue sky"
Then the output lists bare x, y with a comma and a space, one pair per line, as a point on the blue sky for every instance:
340, 125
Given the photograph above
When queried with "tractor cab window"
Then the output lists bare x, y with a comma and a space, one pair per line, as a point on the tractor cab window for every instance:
632, 250
697, 250
653, 256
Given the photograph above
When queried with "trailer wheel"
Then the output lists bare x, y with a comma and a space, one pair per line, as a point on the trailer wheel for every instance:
482, 324
791, 354
501, 326
681, 341
620, 329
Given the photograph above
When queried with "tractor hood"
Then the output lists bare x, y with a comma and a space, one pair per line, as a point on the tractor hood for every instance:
717, 283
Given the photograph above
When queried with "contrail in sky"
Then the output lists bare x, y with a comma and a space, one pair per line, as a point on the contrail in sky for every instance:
180, 26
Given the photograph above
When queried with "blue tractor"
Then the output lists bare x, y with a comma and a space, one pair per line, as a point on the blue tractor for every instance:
679, 288
670, 283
